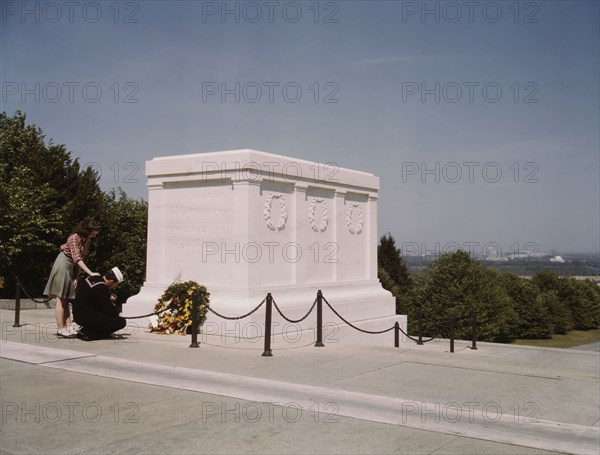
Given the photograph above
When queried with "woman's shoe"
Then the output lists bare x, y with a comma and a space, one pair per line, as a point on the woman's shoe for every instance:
66, 332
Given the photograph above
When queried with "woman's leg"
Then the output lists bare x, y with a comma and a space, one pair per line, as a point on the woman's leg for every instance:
61, 312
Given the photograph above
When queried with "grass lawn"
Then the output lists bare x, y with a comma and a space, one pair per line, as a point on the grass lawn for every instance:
574, 338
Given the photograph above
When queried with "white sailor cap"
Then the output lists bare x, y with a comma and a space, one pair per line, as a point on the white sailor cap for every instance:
118, 274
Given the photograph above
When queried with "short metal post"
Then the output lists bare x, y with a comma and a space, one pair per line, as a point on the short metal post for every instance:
18, 305
451, 334
195, 321
267, 352
474, 333
396, 335
319, 343
420, 328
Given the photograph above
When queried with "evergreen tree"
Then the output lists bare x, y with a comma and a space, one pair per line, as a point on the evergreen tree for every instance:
546, 280
392, 270
533, 319
43, 194
582, 298
458, 287
561, 319
122, 241
389, 257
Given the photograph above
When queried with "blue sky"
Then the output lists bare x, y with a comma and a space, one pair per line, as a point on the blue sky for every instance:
517, 88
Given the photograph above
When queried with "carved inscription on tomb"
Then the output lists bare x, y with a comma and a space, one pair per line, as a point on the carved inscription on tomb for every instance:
194, 218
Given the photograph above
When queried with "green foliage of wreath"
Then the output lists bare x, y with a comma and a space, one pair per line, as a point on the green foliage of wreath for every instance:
178, 298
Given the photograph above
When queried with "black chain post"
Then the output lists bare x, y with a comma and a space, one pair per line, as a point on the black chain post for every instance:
451, 334
474, 332
18, 305
195, 321
396, 335
267, 352
319, 343
420, 328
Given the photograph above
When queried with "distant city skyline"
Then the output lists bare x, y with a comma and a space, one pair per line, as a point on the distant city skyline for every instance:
480, 118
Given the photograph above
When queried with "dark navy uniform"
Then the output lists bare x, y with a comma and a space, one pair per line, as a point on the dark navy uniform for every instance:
94, 311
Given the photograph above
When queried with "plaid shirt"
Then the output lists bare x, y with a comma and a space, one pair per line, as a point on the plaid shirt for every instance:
76, 247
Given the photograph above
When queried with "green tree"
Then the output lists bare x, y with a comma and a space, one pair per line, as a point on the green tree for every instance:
41, 199
533, 319
560, 316
412, 303
392, 271
389, 257
582, 298
122, 241
546, 280
43, 194
26, 229
387, 282
458, 287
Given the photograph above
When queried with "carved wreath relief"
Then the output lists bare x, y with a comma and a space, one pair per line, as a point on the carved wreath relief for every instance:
282, 212
354, 229
311, 214
354, 218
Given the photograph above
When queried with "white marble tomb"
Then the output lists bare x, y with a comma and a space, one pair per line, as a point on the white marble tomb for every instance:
244, 223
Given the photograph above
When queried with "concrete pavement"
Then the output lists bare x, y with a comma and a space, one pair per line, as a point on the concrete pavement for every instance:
149, 393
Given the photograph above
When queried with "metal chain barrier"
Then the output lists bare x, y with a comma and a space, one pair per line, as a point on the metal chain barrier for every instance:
295, 321
451, 322
444, 329
353, 326
156, 313
32, 298
238, 317
451, 325
415, 340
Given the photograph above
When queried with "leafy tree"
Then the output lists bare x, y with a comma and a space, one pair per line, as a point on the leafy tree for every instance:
389, 257
560, 316
533, 319
505, 305
413, 302
387, 282
41, 199
592, 292
43, 194
546, 280
122, 241
392, 270
458, 287
26, 229
582, 297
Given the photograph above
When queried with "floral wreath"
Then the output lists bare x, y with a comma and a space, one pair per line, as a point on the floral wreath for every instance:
311, 215
283, 212
176, 307
359, 227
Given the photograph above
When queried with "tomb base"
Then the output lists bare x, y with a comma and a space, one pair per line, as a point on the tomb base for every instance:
291, 336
